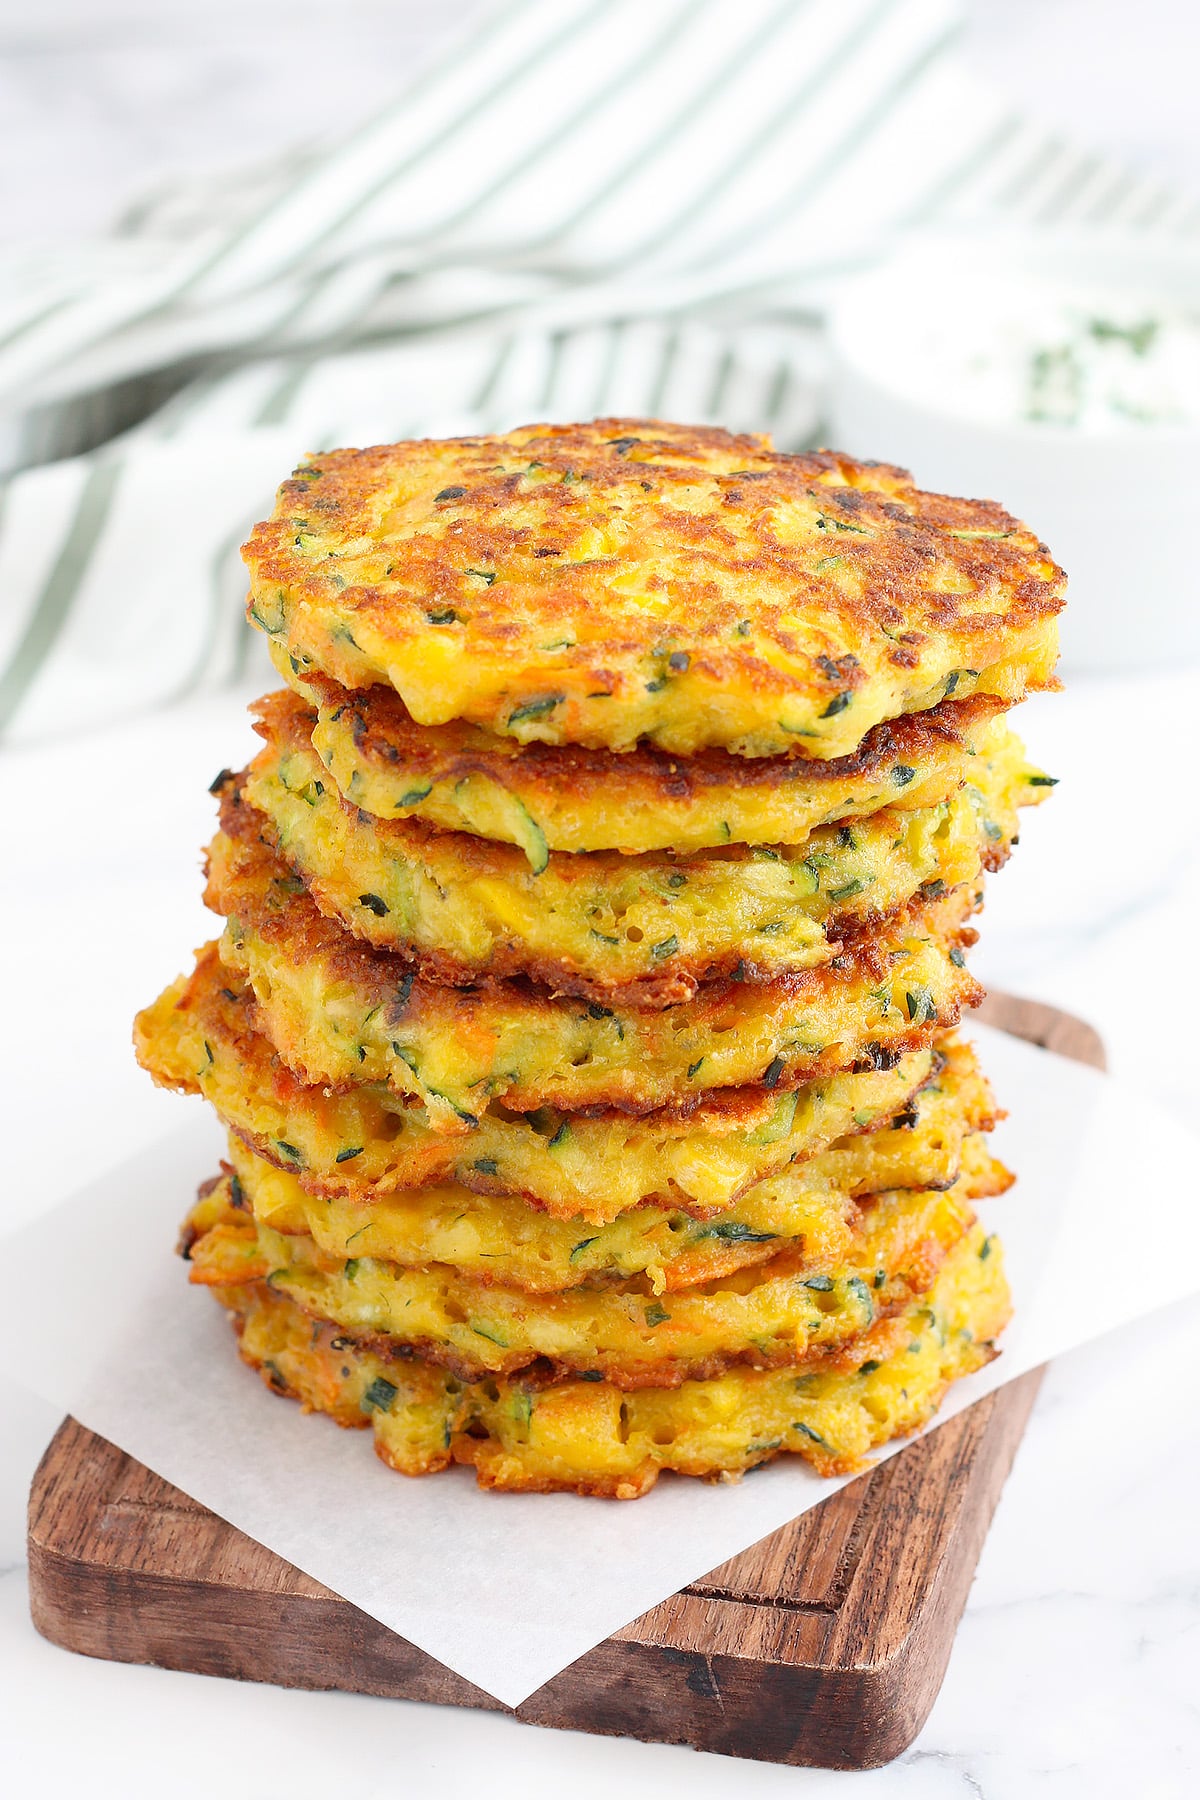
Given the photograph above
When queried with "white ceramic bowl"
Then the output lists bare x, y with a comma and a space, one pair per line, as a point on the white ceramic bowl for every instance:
1120, 510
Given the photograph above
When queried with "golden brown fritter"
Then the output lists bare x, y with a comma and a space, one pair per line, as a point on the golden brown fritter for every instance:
524, 1434
500, 1238
600, 584
635, 931
772, 1316
200, 1036
547, 797
340, 1012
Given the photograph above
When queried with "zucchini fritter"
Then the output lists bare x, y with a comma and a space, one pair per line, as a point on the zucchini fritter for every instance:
641, 931
546, 797
501, 1238
200, 1036
768, 1317
340, 1013
591, 1437
598, 584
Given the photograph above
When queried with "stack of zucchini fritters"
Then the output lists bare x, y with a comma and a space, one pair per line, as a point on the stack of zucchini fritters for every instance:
583, 1021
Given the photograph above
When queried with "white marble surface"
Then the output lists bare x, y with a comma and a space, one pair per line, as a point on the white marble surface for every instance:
1077, 1669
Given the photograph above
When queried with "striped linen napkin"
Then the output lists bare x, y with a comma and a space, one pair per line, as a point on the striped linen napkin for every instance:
585, 209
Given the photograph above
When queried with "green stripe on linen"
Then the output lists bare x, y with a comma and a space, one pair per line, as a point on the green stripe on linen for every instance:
864, 128
492, 92
973, 167
483, 33
676, 126
781, 120
646, 59
60, 587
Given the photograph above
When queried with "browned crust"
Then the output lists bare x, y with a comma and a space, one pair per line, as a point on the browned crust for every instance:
469, 1450
385, 733
670, 1372
221, 1000
384, 965
342, 495
307, 932
509, 960
883, 1340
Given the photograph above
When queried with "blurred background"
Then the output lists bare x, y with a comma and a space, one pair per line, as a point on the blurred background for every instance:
104, 99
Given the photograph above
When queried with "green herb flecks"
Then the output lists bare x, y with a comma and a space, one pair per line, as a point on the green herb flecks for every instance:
858, 1287
808, 1432
733, 1231
380, 1396
826, 523
780, 1122
1055, 386
1139, 337
522, 1406
920, 1006
763, 1446
493, 1333
536, 709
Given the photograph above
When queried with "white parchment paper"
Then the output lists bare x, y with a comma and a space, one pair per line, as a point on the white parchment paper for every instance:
1102, 1227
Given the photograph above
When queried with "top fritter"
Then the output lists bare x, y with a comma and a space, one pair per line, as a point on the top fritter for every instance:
600, 584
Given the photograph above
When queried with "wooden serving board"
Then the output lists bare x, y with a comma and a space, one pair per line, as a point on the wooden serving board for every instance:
824, 1644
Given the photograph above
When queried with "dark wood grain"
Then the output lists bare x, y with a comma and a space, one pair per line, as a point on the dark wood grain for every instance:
824, 1644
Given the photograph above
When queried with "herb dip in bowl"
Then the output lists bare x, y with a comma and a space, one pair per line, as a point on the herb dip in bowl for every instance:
1060, 374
